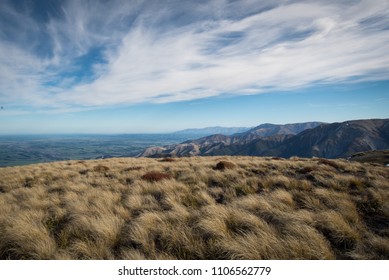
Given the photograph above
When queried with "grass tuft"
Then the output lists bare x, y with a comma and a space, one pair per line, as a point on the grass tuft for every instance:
328, 162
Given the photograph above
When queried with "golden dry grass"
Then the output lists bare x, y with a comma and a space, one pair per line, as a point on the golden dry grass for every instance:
189, 208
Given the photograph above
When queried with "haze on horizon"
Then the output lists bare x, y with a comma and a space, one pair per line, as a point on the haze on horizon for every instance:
157, 66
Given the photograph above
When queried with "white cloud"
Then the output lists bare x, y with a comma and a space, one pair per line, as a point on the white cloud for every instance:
154, 55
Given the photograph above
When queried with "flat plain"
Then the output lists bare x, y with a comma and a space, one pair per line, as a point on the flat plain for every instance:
28, 149
195, 208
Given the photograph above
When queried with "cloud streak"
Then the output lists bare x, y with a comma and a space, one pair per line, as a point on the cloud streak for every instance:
147, 51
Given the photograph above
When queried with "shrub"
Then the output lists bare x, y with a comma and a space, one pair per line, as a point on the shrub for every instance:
100, 168
132, 168
167, 160
221, 165
83, 171
156, 176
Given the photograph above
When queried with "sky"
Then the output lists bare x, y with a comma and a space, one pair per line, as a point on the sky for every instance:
160, 66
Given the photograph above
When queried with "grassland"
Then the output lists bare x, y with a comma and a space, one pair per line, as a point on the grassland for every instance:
195, 208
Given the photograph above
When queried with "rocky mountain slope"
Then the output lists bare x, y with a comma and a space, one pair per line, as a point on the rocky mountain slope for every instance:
333, 140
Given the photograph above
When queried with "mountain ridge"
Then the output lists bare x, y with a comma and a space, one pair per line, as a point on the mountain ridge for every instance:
309, 139
338, 140
208, 145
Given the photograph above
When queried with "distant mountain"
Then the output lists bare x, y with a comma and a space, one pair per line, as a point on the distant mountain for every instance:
265, 136
268, 129
337, 140
314, 139
212, 130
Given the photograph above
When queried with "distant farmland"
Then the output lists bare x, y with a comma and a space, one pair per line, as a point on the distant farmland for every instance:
29, 149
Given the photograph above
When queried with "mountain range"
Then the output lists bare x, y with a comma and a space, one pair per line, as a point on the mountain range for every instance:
311, 139
212, 130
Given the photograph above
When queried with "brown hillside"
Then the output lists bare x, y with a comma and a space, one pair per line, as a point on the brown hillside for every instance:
258, 208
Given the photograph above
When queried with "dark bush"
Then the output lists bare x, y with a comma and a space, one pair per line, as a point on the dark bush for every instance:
167, 160
101, 168
155, 176
83, 171
132, 168
221, 165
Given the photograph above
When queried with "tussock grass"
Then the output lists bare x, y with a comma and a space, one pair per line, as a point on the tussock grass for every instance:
195, 208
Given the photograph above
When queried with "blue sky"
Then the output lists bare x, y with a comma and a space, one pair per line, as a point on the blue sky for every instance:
160, 66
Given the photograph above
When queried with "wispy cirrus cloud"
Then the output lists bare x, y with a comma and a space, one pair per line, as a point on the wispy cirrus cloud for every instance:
82, 54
